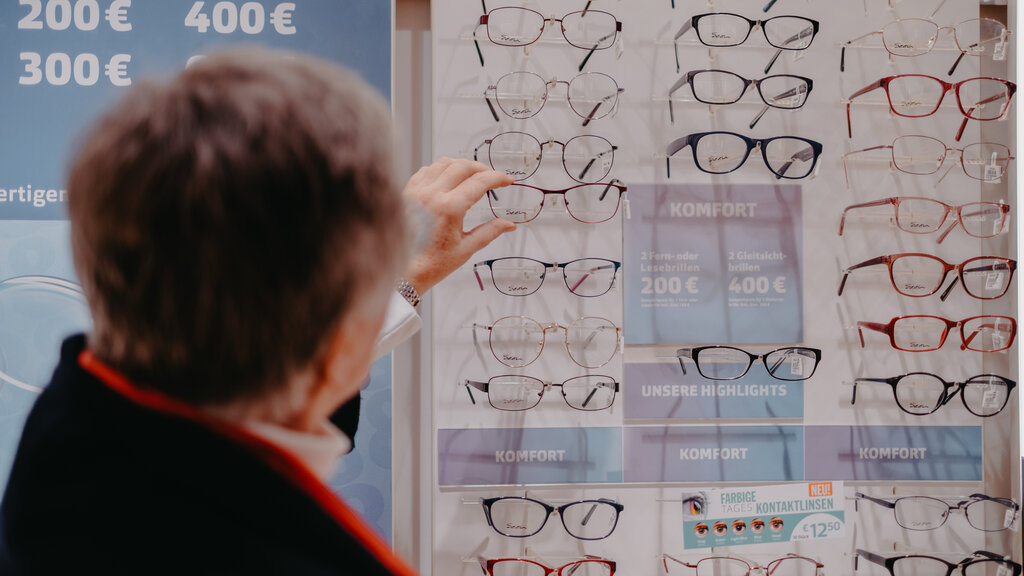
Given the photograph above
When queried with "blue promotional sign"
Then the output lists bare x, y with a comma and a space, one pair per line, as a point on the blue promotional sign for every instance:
714, 453
529, 456
62, 61
713, 264
916, 453
661, 390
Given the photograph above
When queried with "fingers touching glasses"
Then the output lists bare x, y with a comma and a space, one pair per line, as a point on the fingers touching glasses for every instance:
586, 158
587, 203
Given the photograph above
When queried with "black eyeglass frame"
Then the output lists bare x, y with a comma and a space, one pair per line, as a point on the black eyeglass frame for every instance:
553, 265
488, 502
582, 178
977, 557
693, 353
958, 389
689, 76
695, 20
615, 183
691, 140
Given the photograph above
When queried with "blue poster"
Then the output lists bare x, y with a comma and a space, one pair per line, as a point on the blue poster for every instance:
713, 264
661, 390
529, 456
714, 453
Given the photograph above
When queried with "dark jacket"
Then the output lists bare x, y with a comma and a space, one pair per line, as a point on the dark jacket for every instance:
103, 484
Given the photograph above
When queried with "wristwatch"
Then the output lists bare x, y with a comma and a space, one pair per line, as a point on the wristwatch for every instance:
408, 292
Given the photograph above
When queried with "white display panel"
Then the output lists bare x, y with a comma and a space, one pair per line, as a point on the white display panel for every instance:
950, 453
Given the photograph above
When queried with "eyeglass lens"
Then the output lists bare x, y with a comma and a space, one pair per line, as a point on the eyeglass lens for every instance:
588, 203
521, 517
517, 341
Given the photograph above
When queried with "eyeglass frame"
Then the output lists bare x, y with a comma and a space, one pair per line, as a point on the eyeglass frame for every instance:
488, 502
888, 260
946, 88
545, 386
946, 397
692, 354
691, 140
962, 505
487, 565
818, 566
688, 79
613, 183
486, 16
842, 54
889, 329
888, 562
549, 142
543, 275
544, 332
694, 20
766, 8
949, 149
895, 201
547, 83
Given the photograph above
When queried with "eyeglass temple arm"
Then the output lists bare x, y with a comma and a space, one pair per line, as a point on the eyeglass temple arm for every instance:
614, 182
876, 326
470, 384
666, 557
805, 155
842, 52
618, 28
684, 353
805, 88
767, 6
862, 496
589, 117
853, 399
846, 171
1009, 503
490, 105
483, 22
587, 275
994, 556
675, 41
861, 92
1010, 89
870, 557
476, 273
583, 173
778, 51
679, 84
967, 340
864, 264
483, 564
670, 150
882, 202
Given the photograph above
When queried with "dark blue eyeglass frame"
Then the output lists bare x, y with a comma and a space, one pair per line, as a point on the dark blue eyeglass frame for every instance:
812, 153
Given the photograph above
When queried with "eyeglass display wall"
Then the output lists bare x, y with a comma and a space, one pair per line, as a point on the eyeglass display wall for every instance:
760, 308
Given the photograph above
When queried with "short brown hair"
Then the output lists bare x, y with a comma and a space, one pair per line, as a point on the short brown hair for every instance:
224, 222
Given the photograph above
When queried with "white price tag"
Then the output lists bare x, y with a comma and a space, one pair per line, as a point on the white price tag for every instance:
990, 399
992, 171
994, 280
1004, 570
999, 51
606, 161
1011, 520
797, 365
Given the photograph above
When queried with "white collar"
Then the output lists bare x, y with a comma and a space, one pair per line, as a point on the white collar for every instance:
320, 452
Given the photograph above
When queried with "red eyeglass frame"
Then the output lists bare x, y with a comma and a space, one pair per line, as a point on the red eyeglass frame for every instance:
965, 342
946, 87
